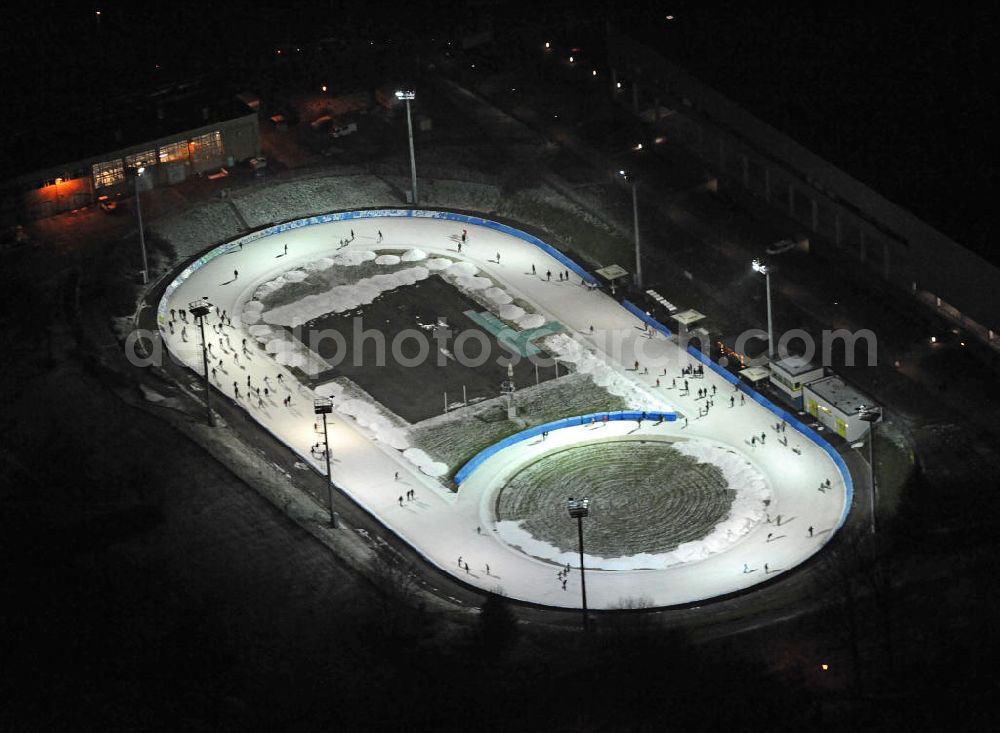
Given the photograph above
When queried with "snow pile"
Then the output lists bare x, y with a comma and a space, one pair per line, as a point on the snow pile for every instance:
251, 312
511, 312
473, 283
353, 257
531, 320
342, 298
424, 462
387, 260
414, 255
497, 295
746, 511
294, 276
460, 269
436, 264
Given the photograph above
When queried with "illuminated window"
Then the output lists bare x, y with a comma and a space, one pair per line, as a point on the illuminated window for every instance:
146, 158
173, 152
108, 173
206, 147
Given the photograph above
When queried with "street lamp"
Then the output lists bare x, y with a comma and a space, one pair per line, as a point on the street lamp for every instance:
409, 96
142, 237
871, 415
324, 406
578, 509
199, 309
764, 270
635, 222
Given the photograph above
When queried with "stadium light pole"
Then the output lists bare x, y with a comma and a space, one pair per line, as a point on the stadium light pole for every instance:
199, 309
578, 509
408, 96
764, 270
635, 223
324, 406
142, 236
871, 415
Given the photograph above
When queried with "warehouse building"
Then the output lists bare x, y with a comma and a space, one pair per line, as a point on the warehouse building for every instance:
173, 134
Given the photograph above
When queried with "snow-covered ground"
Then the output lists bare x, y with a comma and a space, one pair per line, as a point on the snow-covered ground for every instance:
370, 451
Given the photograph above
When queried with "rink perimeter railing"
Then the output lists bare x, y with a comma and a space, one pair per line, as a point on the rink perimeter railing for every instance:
569, 422
288, 226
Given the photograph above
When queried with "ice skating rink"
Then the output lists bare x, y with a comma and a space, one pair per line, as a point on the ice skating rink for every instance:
600, 337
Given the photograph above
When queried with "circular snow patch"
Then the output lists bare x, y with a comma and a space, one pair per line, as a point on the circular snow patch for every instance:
295, 276
435, 469
387, 260
259, 330
253, 305
417, 457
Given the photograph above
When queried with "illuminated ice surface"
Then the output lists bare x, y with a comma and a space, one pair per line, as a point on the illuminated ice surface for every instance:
370, 447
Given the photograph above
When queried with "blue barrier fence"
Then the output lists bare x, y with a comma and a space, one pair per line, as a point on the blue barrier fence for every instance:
790, 419
569, 422
646, 318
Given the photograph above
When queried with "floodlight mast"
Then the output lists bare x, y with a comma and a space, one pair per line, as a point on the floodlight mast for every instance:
763, 269
408, 96
324, 406
578, 509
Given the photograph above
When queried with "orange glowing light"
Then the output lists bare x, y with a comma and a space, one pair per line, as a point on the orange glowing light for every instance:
824, 667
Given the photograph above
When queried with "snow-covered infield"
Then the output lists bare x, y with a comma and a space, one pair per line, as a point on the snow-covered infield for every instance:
376, 464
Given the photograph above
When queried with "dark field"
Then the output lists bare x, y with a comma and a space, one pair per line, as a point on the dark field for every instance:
415, 385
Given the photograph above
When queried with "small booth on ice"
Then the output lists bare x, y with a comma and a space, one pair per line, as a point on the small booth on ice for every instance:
835, 404
790, 374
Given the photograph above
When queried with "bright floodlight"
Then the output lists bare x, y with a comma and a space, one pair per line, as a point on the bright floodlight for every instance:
578, 507
407, 95
140, 170
623, 174
759, 266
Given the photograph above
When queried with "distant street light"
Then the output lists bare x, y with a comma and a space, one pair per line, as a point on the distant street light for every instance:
324, 406
578, 509
635, 222
408, 96
763, 269
871, 415
199, 309
142, 236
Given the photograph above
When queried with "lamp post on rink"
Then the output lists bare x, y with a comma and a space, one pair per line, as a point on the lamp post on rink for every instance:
324, 406
199, 309
578, 509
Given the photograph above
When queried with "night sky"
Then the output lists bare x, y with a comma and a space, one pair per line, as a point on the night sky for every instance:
901, 98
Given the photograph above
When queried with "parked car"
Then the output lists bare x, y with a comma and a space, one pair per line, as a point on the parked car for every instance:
343, 129
108, 205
